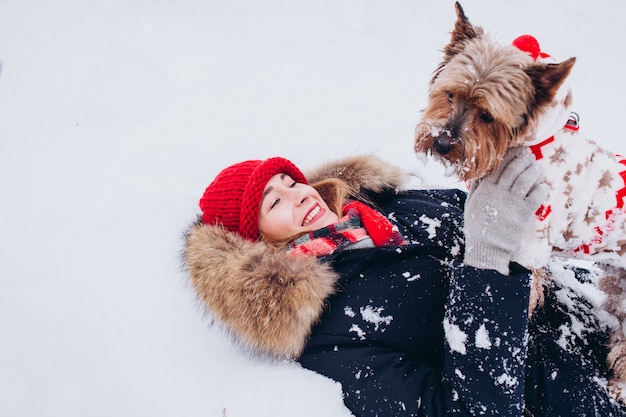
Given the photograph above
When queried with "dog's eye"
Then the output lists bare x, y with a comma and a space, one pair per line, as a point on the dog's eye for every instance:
449, 96
486, 117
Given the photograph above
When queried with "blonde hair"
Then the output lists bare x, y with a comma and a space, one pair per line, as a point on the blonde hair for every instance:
335, 192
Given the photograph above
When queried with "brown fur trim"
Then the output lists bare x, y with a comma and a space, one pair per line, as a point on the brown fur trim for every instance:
361, 172
267, 298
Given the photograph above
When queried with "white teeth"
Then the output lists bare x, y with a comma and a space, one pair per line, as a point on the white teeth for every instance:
310, 216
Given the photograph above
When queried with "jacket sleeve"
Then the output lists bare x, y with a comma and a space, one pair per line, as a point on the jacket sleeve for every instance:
485, 324
484, 359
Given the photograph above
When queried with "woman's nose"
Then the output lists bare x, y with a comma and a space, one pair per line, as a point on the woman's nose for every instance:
301, 197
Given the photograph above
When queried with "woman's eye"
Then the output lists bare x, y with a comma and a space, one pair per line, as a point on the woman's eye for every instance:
293, 184
274, 203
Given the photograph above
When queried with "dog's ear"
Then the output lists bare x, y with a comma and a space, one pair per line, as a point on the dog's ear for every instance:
548, 78
462, 32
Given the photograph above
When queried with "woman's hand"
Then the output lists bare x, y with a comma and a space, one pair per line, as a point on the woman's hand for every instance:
499, 209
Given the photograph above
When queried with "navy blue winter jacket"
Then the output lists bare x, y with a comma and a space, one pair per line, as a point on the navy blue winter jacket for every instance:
413, 332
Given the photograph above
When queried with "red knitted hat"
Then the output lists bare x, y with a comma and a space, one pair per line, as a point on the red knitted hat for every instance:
233, 198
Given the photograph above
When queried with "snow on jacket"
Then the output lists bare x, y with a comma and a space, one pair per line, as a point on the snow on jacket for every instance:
409, 330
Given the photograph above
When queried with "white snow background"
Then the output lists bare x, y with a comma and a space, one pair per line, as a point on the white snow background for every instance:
116, 114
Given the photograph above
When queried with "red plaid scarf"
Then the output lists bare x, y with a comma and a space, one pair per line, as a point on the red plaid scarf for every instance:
359, 222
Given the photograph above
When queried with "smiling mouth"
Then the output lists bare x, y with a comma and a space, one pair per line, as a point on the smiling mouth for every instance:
311, 215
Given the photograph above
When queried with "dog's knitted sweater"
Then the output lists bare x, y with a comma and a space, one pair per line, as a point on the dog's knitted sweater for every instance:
585, 215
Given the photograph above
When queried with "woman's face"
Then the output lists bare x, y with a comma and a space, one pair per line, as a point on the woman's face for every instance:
289, 208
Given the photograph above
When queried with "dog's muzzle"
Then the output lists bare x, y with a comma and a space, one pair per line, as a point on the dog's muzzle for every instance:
443, 143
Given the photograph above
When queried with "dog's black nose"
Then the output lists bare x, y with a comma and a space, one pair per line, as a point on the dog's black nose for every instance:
443, 143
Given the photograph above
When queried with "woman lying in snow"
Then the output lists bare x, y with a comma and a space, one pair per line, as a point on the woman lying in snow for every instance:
407, 298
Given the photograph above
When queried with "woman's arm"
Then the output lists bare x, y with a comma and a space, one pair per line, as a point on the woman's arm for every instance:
485, 325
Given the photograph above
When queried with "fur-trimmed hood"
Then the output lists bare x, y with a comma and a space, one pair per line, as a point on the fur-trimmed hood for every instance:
270, 300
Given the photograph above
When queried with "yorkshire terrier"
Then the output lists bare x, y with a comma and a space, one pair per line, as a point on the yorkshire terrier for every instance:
486, 98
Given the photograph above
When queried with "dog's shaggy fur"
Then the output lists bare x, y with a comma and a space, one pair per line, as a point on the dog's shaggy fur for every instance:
486, 98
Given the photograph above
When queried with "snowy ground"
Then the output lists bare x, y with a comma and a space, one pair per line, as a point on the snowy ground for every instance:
116, 114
